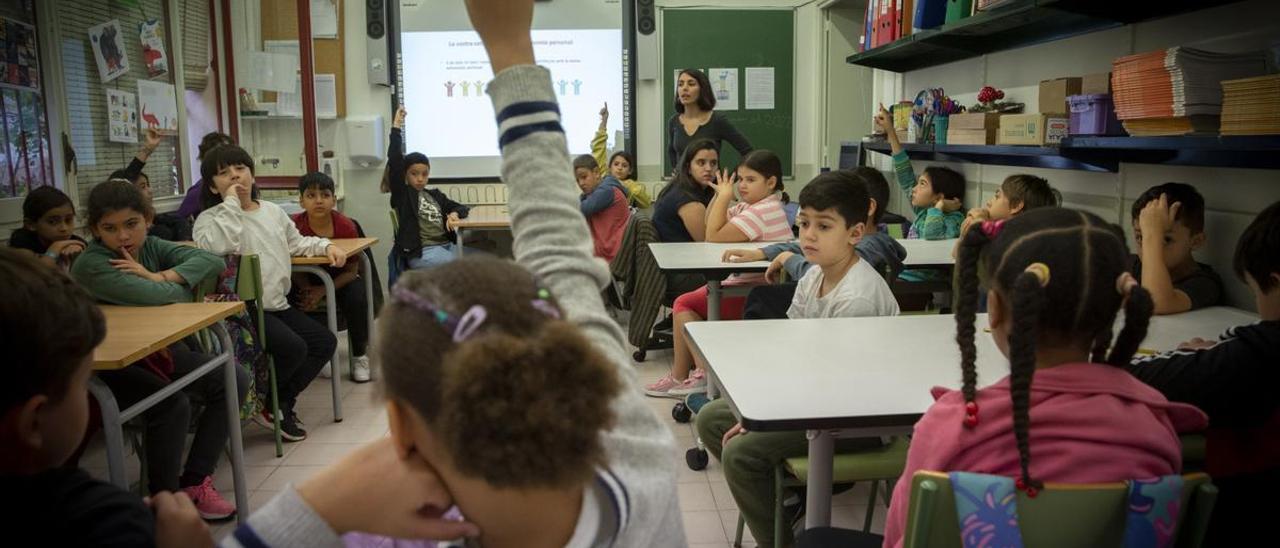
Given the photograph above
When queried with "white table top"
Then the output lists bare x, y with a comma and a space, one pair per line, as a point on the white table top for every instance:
704, 257
869, 372
921, 253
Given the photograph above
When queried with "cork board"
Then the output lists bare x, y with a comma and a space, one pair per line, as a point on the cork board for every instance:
280, 22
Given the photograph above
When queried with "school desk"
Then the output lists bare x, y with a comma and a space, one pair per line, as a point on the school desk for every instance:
485, 217
786, 375
706, 259
351, 247
134, 332
923, 253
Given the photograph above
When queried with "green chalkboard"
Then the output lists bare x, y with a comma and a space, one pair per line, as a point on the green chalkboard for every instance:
735, 39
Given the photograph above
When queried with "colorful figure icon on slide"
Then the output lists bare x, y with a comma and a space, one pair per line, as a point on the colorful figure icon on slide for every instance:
563, 85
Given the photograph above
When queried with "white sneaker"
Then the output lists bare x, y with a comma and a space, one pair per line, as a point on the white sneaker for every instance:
327, 372
360, 369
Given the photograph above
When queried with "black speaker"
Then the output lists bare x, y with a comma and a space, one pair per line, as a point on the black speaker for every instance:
646, 21
375, 29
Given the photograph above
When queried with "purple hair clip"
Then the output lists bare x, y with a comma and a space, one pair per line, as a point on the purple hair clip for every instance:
461, 328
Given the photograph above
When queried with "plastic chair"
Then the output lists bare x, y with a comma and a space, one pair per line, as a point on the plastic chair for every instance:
249, 287
882, 464
1062, 515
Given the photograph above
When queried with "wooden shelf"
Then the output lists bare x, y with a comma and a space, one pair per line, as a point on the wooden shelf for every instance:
1107, 153
1014, 25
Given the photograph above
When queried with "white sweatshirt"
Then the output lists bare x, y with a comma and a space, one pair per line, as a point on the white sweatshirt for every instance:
266, 232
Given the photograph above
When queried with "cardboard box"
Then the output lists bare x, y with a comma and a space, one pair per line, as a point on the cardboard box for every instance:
971, 136
1053, 94
974, 120
1095, 83
1032, 129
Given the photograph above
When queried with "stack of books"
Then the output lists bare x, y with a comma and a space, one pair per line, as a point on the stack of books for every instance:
1251, 106
1176, 91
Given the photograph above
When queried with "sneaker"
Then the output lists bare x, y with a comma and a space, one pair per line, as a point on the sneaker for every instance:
265, 420
209, 501
695, 384
662, 388
291, 428
327, 371
360, 369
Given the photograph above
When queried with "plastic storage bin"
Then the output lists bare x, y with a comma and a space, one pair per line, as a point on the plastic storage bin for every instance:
1093, 115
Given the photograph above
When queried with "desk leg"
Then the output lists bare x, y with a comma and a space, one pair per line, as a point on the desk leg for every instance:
458, 250
331, 307
112, 430
818, 491
366, 272
233, 425
713, 300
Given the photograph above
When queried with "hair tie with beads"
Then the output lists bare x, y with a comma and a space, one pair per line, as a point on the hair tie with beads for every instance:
1125, 284
459, 327
1041, 272
970, 414
992, 228
1030, 489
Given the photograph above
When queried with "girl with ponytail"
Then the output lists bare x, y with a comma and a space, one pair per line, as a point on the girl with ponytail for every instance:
1068, 411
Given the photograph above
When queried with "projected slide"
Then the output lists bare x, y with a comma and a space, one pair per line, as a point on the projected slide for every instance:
451, 117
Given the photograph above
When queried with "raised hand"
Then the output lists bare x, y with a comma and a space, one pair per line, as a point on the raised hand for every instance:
398, 121
503, 26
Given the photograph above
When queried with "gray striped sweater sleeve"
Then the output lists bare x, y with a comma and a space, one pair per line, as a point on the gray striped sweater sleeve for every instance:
552, 241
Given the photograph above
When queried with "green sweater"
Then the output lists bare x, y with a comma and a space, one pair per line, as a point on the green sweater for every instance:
93, 271
931, 223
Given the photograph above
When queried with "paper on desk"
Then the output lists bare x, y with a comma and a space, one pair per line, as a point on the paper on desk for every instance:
760, 92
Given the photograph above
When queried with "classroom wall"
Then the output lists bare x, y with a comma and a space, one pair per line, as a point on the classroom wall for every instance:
1233, 196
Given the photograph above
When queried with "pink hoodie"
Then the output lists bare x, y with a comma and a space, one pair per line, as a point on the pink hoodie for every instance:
1089, 423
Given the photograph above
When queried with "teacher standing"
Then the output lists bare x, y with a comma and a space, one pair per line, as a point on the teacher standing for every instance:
696, 118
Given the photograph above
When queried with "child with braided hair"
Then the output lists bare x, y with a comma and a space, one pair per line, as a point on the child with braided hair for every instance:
1057, 279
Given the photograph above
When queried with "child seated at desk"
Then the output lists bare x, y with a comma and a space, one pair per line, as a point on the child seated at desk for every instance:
936, 197
48, 225
235, 221
1017, 194
427, 217
1168, 224
833, 209
166, 226
620, 164
50, 329
125, 266
876, 247
1058, 280
319, 218
1233, 379
604, 204
757, 217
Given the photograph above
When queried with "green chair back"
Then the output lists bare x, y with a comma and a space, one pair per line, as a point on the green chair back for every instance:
395, 222
1061, 515
249, 287
895, 230
886, 462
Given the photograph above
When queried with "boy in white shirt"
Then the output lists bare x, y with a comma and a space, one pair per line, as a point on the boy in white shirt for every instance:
843, 285
839, 285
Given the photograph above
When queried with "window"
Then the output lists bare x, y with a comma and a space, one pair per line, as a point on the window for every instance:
27, 161
88, 115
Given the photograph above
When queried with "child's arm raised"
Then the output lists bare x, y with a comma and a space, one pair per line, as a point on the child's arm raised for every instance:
718, 228
902, 170
552, 241
1155, 219
139, 161
395, 153
600, 140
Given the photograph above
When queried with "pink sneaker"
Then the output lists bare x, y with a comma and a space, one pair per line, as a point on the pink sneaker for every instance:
696, 383
209, 501
662, 388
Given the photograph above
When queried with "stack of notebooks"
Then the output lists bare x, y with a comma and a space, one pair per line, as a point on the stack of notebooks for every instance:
1176, 91
1251, 106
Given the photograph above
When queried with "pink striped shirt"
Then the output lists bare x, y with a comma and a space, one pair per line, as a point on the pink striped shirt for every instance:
763, 221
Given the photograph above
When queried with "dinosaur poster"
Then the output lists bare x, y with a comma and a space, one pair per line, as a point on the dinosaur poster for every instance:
157, 107
108, 50
122, 116
153, 55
